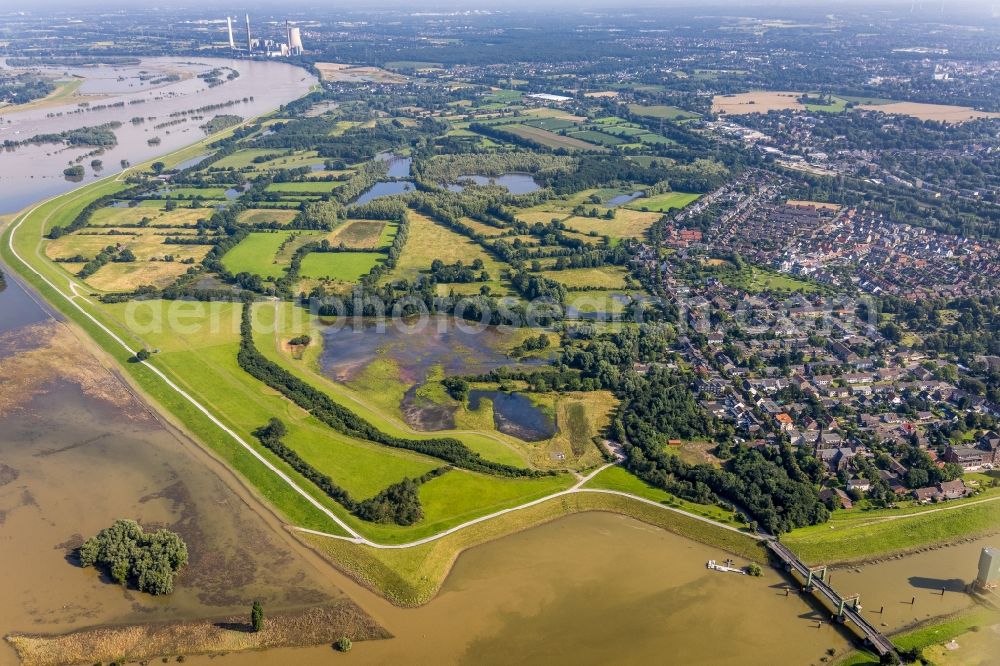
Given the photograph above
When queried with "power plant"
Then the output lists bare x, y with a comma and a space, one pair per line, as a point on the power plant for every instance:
292, 46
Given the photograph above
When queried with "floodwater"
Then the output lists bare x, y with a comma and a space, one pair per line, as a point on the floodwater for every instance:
415, 347
515, 414
76, 456
516, 183
623, 199
33, 172
593, 588
898, 593
441, 344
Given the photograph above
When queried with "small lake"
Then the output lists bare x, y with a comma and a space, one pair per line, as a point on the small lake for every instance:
399, 167
516, 183
384, 188
623, 199
514, 414
188, 163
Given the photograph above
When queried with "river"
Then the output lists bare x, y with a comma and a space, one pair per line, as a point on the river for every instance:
30, 173
78, 450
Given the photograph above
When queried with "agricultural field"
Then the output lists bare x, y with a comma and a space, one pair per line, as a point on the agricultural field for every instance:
605, 277
664, 202
661, 111
428, 241
305, 187
550, 139
627, 223
339, 266
114, 216
363, 234
267, 215
257, 254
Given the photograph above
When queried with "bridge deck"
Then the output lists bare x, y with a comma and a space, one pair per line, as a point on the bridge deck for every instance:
881, 644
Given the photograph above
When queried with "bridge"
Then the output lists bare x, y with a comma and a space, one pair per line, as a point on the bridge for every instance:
848, 610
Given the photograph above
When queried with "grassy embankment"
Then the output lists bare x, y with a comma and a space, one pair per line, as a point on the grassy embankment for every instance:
862, 535
931, 634
412, 576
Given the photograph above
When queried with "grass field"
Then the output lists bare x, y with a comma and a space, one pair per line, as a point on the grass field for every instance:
363, 234
413, 576
266, 215
618, 478
664, 202
863, 535
428, 241
600, 138
661, 111
114, 216
256, 254
309, 186
605, 277
550, 139
126, 277
628, 223
339, 266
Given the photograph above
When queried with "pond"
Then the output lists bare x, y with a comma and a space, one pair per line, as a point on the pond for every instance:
443, 346
399, 167
514, 414
384, 188
516, 183
623, 199
188, 163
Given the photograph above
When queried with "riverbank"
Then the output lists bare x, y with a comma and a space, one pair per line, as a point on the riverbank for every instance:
886, 535
310, 627
935, 633
411, 577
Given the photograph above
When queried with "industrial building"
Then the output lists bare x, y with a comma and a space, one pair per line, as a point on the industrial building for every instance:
292, 46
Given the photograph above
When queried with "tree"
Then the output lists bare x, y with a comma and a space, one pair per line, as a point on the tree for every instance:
158, 167
342, 644
257, 616
142, 355
754, 569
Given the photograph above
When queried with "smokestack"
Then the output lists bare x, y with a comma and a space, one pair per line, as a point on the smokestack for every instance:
249, 42
229, 26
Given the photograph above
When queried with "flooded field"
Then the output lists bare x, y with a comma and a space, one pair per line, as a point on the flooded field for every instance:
439, 342
515, 414
78, 452
899, 593
411, 356
594, 588
30, 173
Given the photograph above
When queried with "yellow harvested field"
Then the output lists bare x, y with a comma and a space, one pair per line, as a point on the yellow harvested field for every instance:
265, 215
113, 217
334, 71
543, 216
602, 93
358, 234
481, 227
760, 101
605, 277
942, 112
627, 224
126, 277
145, 246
